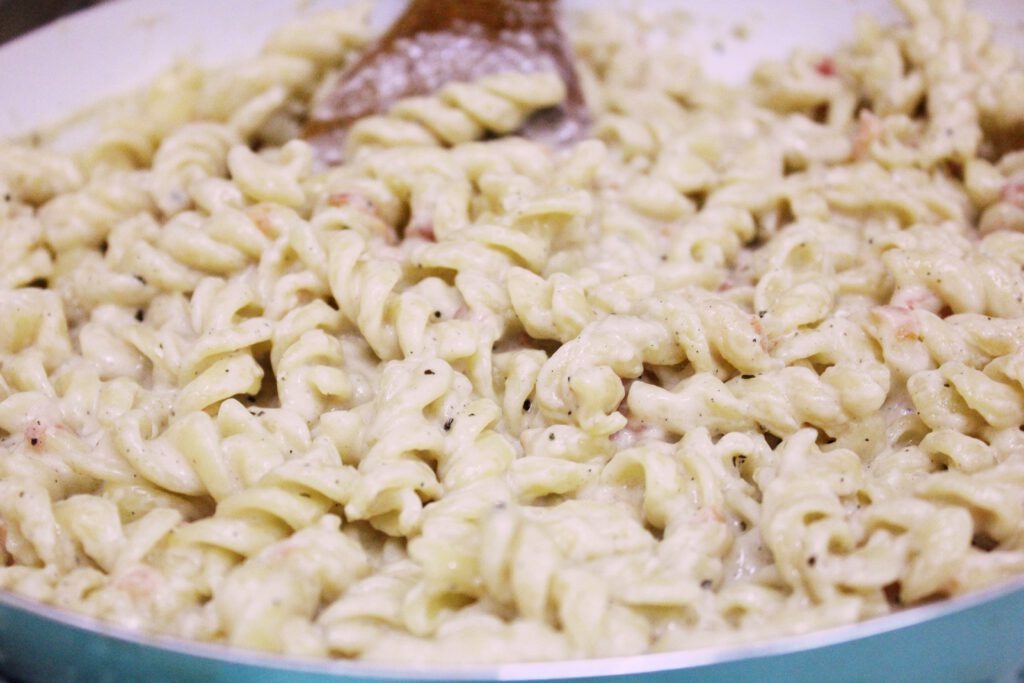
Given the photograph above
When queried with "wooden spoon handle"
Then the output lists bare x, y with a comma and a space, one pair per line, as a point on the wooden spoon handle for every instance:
435, 42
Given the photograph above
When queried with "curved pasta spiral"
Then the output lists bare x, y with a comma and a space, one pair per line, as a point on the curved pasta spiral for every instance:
583, 377
85, 217
748, 362
458, 113
123, 587
193, 152
35, 176
25, 259
853, 385
261, 603
955, 396
259, 524
991, 285
916, 339
395, 480
530, 559
260, 98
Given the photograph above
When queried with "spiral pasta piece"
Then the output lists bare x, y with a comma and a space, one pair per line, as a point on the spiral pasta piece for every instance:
746, 363
459, 112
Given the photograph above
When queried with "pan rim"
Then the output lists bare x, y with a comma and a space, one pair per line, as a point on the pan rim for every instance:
563, 669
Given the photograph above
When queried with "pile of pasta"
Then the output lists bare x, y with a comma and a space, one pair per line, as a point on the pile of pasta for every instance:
747, 362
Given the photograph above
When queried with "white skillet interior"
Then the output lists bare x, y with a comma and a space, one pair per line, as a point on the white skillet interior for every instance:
49, 74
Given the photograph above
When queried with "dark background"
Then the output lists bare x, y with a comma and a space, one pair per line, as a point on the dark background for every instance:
20, 16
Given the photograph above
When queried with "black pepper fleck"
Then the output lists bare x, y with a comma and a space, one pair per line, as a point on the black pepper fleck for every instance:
984, 542
448, 423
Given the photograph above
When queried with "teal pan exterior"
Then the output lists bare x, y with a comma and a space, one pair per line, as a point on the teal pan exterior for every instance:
976, 639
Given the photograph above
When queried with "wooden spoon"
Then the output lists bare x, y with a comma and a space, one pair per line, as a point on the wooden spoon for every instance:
435, 42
